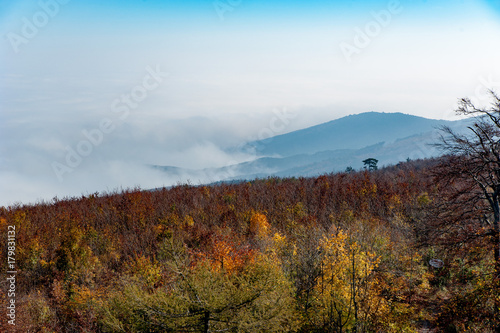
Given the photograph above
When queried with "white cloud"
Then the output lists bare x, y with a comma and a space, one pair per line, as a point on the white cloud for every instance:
224, 80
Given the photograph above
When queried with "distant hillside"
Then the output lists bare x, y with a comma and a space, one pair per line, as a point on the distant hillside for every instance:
351, 132
331, 147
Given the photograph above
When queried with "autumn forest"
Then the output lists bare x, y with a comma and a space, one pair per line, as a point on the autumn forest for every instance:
345, 252
413, 247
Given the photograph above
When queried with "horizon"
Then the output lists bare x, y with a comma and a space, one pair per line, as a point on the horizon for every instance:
121, 189
148, 82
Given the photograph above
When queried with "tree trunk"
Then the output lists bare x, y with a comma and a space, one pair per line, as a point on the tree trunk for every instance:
206, 320
496, 237
496, 247
355, 303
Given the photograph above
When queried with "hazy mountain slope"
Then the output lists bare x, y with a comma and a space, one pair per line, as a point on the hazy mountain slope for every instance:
388, 137
414, 147
351, 132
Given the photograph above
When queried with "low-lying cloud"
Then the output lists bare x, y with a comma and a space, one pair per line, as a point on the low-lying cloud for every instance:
44, 160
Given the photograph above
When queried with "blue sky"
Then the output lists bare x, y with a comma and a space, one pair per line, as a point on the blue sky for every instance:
230, 63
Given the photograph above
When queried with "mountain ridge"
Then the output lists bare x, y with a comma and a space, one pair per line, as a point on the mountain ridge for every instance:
350, 132
331, 147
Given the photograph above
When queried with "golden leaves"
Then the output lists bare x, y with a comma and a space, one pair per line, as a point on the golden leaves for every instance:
148, 271
259, 225
346, 284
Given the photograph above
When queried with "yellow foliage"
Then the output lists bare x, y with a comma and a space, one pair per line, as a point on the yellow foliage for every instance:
284, 251
259, 225
159, 229
368, 189
299, 210
83, 297
149, 272
32, 253
20, 218
395, 202
170, 220
346, 288
278, 239
206, 191
423, 199
188, 220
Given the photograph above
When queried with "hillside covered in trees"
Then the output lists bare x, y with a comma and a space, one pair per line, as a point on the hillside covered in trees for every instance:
379, 251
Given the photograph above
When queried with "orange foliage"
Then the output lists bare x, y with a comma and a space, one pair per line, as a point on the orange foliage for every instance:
72, 250
225, 256
259, 225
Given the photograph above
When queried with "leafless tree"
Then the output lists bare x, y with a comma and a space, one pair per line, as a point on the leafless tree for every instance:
471, 173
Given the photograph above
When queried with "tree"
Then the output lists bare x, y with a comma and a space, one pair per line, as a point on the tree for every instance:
205, 296
347, 293
371, 164
471, 172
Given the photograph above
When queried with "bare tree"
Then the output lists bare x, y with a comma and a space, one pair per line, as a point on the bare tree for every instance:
471, 173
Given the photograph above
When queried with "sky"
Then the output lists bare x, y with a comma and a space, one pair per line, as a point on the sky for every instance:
92, 92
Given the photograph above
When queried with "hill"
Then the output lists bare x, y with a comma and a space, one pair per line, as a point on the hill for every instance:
331, 147
351, 132
273, 255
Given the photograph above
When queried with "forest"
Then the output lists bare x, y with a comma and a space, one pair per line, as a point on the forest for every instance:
413, 247
387, 250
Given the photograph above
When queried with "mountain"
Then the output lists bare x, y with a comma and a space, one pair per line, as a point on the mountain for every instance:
332, 147
351, 132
